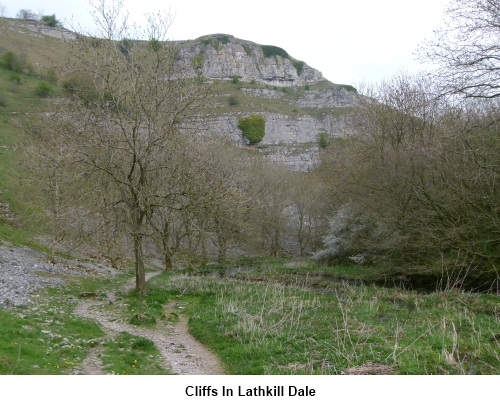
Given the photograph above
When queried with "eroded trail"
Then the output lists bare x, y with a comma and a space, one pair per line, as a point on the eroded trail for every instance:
181, 352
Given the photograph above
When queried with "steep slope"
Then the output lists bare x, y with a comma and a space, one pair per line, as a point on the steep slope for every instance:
296, 101
221, 56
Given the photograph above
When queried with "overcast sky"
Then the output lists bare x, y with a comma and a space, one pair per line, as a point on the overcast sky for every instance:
349, 41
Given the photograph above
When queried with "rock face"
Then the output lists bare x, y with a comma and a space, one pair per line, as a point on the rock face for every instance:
222, 56
289, 141
280, 129
40, 28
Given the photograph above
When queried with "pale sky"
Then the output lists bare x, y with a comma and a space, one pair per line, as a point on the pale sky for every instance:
349, 41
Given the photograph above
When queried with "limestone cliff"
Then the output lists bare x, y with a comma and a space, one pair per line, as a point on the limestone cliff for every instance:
223, 57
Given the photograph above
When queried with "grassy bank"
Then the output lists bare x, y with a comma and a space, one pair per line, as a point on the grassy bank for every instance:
47, 338
265, 327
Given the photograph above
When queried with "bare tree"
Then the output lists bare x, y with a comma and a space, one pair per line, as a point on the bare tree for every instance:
3, 10
467, 49
419, 182
25, 14
126, 117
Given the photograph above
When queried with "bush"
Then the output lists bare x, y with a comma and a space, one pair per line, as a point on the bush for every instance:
235, 79
14, 77
124, 46
13, 62
233, 101
43, 89
298, 65
323, 140
247, 49
198, 61
349, 88
223, 39
155, 45
270, 50
307, 87
253, 127
50, 20
3, 101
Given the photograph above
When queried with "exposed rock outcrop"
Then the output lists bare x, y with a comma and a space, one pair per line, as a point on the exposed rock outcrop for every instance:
223, 56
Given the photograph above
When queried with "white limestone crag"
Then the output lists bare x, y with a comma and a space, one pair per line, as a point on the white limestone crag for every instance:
222, 57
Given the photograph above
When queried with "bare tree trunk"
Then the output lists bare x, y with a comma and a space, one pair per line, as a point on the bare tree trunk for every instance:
140, 274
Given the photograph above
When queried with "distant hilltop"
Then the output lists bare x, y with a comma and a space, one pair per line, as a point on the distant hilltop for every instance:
224, 57
220, 57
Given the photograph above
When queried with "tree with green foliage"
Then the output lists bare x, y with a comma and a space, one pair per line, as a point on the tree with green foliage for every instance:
253, 127
50, 20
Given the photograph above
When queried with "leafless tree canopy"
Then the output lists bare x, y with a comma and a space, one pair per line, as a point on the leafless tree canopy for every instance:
466, 49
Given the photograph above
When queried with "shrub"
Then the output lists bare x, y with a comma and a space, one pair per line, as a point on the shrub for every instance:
233, 101
235, 79
253, 81
3, 100
349, 88
323, 140
14, 77
124, 46
198, 61
253, 127
248, 50
50, 20
270, 50
307, 87
12, 61
155, 45
223, 39
43, 89
298, 65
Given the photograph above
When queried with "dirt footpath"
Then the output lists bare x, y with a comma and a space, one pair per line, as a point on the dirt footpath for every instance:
182, 353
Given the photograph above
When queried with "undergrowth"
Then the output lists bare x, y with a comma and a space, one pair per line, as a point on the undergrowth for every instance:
262, 328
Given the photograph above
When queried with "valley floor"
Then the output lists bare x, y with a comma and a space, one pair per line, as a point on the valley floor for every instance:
255, 316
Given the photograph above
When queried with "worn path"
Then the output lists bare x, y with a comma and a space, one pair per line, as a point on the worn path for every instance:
181, 352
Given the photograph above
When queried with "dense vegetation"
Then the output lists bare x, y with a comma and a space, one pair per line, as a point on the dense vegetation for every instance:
408, 198
253, 127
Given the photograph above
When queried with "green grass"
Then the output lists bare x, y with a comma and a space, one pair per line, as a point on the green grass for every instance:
132, 355
21, 103
47, 338
285, 103
261, 327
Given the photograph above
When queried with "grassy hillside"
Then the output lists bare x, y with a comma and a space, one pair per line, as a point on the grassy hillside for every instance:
43, 51
18, 102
